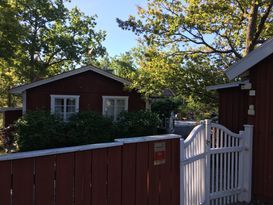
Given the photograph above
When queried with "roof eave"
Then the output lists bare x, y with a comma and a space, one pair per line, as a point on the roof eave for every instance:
22, 88
250, 60
226, 85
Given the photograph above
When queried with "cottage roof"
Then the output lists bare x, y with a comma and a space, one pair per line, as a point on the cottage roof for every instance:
22, 88
226, 85
250, 60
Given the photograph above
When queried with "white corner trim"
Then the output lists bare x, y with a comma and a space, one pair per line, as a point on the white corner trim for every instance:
22, 88
250, 60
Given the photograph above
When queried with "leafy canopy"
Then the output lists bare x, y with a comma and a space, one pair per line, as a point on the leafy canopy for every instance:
187, 44
226, 28
40, 38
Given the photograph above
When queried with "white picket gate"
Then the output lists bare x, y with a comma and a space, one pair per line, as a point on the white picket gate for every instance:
215, 165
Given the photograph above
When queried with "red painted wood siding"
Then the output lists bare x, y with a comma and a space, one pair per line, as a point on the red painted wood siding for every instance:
119, 175
233, 114
233, 106
89, 85
11, 116
262, 80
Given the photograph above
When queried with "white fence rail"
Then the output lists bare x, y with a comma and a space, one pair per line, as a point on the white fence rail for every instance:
215, 165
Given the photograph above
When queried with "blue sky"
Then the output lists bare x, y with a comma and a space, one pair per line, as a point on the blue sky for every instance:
117, 40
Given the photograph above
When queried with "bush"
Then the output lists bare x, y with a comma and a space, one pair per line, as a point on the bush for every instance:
137, 124
88, 128
165, 107
39, 130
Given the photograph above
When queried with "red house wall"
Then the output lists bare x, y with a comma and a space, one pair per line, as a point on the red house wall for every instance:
90, 86
10, 116
262, 80
233, 114
233, 106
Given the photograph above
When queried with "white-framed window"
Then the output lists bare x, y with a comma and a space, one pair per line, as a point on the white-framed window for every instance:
112, 106
64, 106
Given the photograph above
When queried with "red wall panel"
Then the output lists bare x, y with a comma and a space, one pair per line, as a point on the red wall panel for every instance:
112, 176
233, 114
11, 116
89, 85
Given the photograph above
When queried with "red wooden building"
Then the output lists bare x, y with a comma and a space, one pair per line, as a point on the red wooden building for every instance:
250, 101
84, 89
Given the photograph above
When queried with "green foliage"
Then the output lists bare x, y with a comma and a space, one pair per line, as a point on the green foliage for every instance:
185, 78
39, 130
164, 107
137, 124
186, 45
40, 38
88, 128
122, 65
227, 29
195, 110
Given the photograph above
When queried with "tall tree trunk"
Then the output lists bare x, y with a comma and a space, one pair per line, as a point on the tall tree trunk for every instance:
9, 100
251, 28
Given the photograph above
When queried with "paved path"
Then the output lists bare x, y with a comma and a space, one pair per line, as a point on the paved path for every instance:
183, 128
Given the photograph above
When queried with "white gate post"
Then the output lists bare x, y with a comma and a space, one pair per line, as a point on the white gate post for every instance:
247, 164
207, 170
182, 185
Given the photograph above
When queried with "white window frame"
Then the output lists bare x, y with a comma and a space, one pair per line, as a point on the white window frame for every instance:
65, 97
104, 98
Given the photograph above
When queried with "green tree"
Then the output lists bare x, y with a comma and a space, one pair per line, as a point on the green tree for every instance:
122, 65
48, 39
10, 30
184, 77
228, 29
186, 44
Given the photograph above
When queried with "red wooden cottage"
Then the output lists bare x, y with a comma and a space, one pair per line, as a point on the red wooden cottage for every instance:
84, 89
250, 101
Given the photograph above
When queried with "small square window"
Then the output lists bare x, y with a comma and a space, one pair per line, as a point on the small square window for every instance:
64, 106
114, 105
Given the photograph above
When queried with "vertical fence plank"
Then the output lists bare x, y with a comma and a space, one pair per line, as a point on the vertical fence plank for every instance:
141, 173
44, 180
99, 177
83, 177
129, 173
175, 150
182, 173
232, 169
5, 179
153, 177
22, 181
114, 176
165, 170
64, 178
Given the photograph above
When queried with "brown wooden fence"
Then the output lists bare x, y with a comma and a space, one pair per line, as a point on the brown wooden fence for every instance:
120, 173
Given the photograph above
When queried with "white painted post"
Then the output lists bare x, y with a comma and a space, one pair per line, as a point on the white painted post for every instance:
241, 165
247, 164
182, 157
207, 171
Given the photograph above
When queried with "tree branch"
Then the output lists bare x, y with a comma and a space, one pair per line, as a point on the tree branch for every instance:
262, 23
